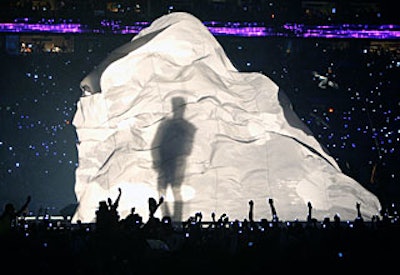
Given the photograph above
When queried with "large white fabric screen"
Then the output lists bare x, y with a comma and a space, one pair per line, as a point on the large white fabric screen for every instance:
175, 118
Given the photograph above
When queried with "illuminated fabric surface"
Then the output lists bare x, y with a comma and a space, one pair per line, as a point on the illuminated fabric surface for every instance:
175, 118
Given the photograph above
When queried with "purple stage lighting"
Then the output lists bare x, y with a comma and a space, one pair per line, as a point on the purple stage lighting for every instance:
245, 29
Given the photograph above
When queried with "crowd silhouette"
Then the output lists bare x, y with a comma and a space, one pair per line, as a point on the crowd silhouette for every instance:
132, 245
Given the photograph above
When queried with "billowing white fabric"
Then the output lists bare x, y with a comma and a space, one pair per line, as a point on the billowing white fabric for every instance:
233, 137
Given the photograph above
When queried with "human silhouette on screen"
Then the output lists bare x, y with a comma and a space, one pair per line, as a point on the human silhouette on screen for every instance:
171, 146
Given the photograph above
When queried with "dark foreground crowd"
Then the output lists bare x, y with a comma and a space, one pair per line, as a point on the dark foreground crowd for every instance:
133, 245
